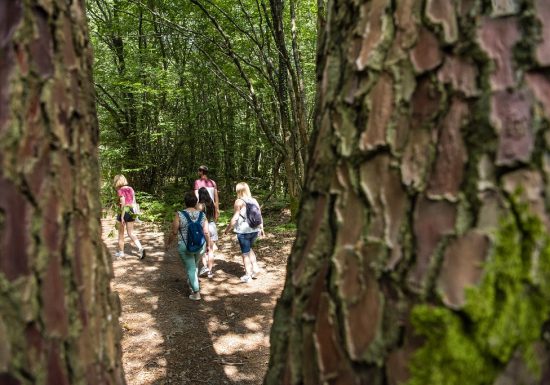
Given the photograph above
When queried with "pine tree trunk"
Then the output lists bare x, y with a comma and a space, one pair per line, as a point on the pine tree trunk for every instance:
422, 254
58, 317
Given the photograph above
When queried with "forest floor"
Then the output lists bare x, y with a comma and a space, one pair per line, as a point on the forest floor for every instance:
221, 339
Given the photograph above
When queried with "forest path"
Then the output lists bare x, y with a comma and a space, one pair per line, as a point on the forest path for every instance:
169, 339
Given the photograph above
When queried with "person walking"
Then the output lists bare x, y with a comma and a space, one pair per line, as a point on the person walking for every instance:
126, 215
183, 227
207, 206
209, 184
247, 232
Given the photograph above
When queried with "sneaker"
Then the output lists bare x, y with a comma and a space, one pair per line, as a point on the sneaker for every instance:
210, 274
195, 296
246, 278
203, 271
119, 254
141, 253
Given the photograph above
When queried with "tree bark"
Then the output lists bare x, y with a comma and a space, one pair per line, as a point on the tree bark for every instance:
58, 317
422, 241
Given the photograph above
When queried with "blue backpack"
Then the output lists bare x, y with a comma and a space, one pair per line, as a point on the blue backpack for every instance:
195, 236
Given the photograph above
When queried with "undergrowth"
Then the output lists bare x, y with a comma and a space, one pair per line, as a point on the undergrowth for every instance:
160, 208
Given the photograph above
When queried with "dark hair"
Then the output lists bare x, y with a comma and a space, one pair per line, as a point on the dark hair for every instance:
204, 169
209, 208
190, 199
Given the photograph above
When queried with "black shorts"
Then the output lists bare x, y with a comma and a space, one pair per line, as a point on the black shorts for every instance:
128, 216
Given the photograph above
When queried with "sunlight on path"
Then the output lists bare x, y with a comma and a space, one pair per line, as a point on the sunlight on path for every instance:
167, 338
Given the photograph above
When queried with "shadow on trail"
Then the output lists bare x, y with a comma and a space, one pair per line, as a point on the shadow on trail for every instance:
232, 269
222, 339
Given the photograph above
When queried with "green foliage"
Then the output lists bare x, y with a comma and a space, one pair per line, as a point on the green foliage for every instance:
154, 208
284, 227
157, 209
224, 218
504, 314
109, 198
170, 96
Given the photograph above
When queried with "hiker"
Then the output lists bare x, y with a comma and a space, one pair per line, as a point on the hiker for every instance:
126, 216
207, 206
245, 206
192, 242
209, 184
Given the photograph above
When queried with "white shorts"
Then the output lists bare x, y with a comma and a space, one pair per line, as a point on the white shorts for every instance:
213, 230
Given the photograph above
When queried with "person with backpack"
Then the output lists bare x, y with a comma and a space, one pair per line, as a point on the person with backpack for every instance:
190, 226
127, 216
247, 223
207, 206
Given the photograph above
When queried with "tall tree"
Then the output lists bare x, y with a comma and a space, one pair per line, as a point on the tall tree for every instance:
423, 253
159, 67
58, 318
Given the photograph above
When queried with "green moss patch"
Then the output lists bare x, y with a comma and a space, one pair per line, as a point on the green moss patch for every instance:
504, 314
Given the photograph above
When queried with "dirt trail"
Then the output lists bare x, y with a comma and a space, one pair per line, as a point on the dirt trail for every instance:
222, 339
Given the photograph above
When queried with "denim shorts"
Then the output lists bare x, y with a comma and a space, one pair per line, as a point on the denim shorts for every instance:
246, 241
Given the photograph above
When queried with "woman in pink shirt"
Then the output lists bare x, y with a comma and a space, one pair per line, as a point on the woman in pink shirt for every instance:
126, 217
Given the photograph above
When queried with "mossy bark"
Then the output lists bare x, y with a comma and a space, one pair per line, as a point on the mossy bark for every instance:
423, 229
58, 317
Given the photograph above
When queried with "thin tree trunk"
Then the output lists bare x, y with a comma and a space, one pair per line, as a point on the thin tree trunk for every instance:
58, 317
422, 250
293, 161
299, 85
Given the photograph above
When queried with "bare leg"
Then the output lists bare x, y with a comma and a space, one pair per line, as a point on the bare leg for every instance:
211, 257
121, 227
247, 264
130, 230
205, 258
255, 267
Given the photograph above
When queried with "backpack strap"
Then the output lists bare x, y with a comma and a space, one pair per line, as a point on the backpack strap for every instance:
251, 202
184, 213
199, 218
243, 216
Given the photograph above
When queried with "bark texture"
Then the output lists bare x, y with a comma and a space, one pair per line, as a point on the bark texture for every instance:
422, 244
58, 317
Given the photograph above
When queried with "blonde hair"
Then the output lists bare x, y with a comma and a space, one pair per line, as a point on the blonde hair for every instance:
120, 181
243, 191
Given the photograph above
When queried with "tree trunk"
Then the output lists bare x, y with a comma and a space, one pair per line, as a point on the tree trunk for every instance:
298, 86
58, 317
422, 252
293, 159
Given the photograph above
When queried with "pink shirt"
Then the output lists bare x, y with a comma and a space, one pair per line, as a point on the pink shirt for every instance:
209, 184
128, 193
